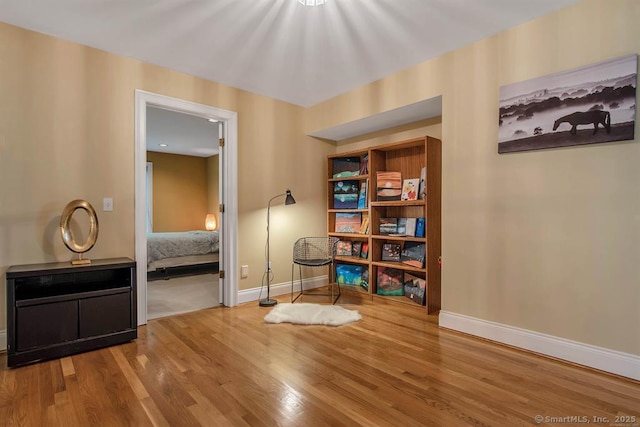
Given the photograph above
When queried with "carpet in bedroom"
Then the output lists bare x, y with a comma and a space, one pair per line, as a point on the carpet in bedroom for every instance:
181, 295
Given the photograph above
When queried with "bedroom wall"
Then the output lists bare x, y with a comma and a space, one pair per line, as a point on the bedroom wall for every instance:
67, 132
180, 192
544, 240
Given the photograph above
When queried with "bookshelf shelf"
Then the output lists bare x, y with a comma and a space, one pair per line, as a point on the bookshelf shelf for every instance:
390, 299
346, 236
418, 158
398, 265
355, 290
350, 178
399, 203
348, 210
352, 260
399, 238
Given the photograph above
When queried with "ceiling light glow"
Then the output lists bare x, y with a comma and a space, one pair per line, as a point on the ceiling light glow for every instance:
312, 2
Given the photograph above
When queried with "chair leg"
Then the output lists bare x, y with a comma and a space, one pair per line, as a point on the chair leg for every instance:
337, 297
300, 277
293, 266
333, 301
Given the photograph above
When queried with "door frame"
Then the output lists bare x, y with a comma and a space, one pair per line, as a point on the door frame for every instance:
229, 197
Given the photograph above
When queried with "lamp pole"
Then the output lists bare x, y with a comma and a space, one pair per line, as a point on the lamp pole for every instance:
268, 302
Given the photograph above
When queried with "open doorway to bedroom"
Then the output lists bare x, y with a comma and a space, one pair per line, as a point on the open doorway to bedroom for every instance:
194, 182
182, 204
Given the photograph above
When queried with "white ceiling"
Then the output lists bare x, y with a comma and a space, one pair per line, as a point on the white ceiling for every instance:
180, 133
278, 48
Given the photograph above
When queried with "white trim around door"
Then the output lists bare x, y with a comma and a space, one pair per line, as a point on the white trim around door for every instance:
229, 198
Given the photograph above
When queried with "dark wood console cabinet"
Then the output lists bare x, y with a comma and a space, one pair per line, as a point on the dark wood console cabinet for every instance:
58, 309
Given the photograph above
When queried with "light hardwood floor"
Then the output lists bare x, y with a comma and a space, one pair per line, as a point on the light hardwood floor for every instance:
225, 366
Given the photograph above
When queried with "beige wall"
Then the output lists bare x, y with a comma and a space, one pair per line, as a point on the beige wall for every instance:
180, 192
67, 132
542, 240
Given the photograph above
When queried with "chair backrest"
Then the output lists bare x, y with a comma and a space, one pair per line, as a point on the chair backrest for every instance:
314, 248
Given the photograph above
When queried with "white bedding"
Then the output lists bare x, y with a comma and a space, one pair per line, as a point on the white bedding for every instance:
178, 244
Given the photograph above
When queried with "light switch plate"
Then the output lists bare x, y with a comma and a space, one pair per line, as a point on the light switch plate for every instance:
107, 204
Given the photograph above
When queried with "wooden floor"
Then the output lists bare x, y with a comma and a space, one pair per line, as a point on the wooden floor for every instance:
225, 366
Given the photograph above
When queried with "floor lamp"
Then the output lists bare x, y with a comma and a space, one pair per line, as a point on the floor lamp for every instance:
268, 302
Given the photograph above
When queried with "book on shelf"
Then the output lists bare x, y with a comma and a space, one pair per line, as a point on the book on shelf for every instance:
389, 281
421, 225
345, 195
365, 278
415, 288
348, 274
413, 254
364, 165
362, 196
423, 180
348, 222
364, 251
391, 252
410, 227
346, 166
401, 228
356, 248
344, 248
410, 189
388, 185
388, 226
364, 227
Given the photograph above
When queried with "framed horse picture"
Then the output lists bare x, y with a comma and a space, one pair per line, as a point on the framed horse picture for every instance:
587, 105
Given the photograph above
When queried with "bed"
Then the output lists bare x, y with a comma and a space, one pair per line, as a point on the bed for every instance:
182, 253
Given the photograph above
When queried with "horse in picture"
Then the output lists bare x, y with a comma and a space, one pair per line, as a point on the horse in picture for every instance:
594, 117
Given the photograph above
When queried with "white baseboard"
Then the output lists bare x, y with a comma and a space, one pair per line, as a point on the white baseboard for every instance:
615, 362
253, 294
3, 339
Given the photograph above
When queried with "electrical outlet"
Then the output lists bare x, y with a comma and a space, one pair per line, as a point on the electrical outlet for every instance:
244, 272
107, 204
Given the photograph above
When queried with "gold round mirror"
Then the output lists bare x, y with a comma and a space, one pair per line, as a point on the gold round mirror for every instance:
67, 235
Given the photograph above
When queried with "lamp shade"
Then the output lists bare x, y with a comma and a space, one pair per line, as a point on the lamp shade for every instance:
289, 200
210, 222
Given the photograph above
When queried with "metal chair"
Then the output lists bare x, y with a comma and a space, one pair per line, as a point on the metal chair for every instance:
314, 252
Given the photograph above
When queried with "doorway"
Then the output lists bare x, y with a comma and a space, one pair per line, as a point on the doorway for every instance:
227, 191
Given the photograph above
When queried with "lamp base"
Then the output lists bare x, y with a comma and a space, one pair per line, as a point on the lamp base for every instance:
267, 302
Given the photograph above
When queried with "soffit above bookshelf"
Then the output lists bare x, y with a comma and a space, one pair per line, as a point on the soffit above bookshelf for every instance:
400, 116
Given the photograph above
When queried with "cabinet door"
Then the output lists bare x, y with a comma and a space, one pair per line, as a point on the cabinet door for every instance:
106, 314
46, 324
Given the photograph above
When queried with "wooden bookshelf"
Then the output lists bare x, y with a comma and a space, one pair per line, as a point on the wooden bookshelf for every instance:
409, 158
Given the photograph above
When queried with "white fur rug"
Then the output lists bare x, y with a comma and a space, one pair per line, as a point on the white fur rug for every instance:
311, 314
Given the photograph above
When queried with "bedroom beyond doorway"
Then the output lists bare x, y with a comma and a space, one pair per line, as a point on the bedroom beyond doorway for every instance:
228, 218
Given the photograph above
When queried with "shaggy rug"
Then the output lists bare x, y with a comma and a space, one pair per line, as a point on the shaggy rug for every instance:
311, 314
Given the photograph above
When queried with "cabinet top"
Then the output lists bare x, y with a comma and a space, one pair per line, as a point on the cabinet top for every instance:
67, 267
